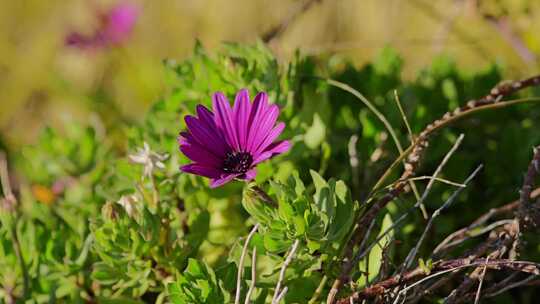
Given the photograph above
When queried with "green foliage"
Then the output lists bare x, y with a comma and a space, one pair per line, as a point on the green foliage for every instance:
55, 155
197, 284
321, 219
113, 220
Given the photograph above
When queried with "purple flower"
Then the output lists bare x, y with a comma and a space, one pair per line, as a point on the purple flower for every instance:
119, 23
230, 142
114, 28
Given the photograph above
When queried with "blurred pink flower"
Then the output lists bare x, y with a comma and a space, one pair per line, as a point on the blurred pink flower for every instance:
115, 27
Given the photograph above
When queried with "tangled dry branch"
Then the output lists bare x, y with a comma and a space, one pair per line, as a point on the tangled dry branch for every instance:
501, 242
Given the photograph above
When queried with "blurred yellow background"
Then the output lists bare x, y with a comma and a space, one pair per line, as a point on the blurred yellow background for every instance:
45, 82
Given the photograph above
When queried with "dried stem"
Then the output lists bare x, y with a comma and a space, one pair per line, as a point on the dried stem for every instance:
414, 152
288, 260
528, 213
458, 236
241, 263
418, 275
439, 168
253, 275
363, 253
412, 255
477, 298
411, 138
281, 295
498, 291
403, 116
507, 240
501, 240
380, 116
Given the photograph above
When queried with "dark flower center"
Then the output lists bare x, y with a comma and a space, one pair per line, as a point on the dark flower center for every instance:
237, 162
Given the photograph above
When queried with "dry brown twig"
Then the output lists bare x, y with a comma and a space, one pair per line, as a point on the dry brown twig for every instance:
529, 214
241, 263
253, 275
414, 155
418, 275
504, 241
278, 292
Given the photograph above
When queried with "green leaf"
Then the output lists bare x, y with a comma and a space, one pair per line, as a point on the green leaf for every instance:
426, 266
345, 214
256, 207
294, 182
105, 274
318, 181
376, 253
285, 210
316, 133
199, 226
197, 284
276, 241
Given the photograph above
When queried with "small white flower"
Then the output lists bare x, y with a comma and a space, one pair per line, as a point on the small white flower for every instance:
149, 159
129, 203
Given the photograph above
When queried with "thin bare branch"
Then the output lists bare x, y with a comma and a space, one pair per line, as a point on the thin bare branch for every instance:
288, 260
241, 263
403, 116
412, 254
413, 154
529, 214
419, 276
371, 107
472, 234
281, 295
438, 179
253, 275
477, 298
511, 286
462, 233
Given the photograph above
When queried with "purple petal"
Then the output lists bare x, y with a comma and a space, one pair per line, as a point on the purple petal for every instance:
207, 119
205, 135
256, 115
216, 182
251, 174
206, 116
279, 147
262, 127
262, 157
201, 170
241, 110
274, 133
272, 150
184, 138
224, 120
200, 155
